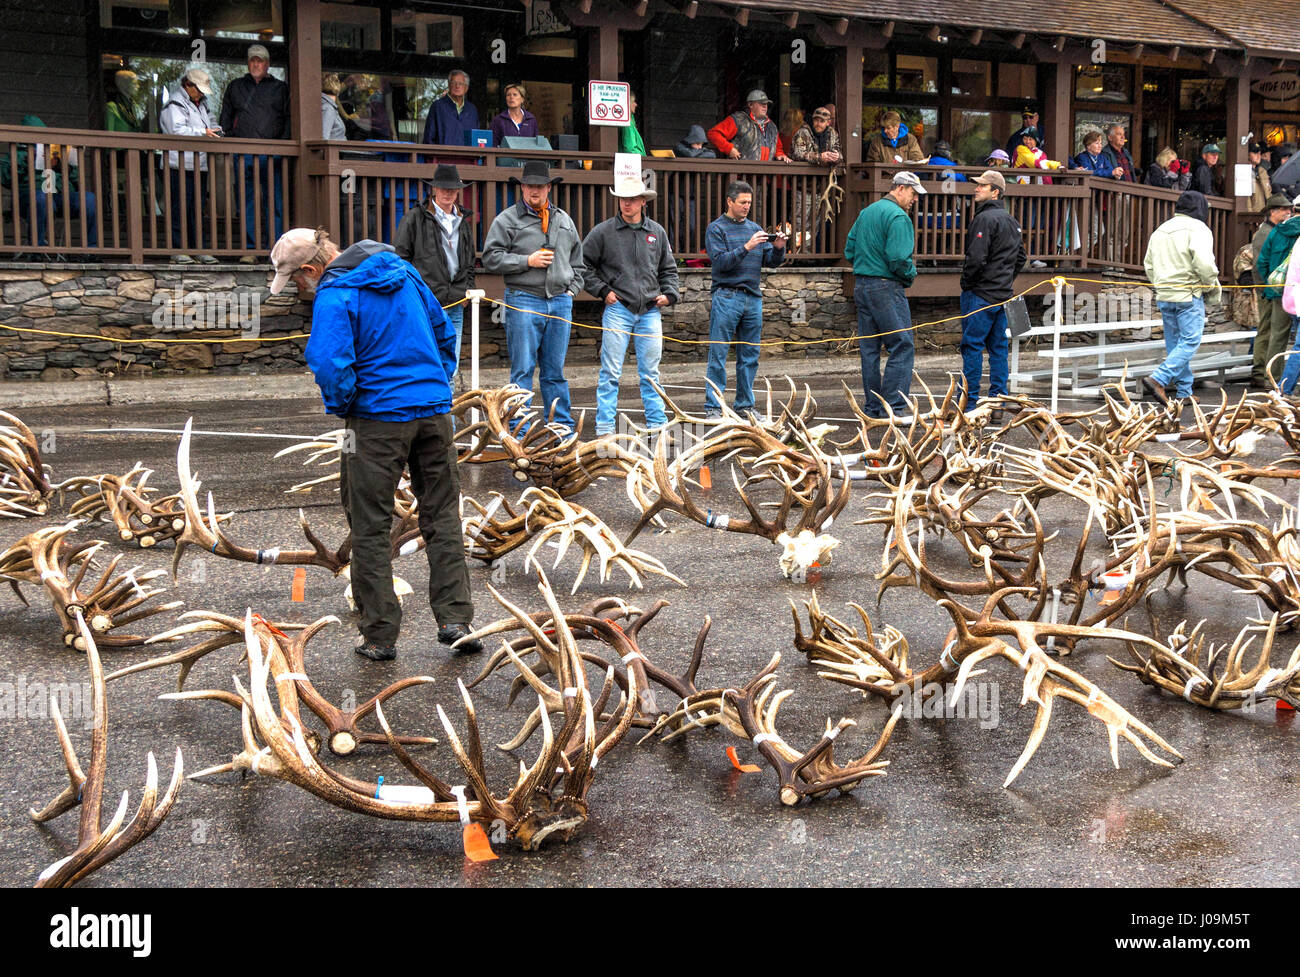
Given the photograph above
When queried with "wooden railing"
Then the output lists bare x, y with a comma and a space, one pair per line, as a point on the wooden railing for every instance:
1078, 221
80, 194
362, 190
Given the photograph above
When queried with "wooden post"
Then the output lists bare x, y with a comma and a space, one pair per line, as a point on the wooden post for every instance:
1056, 111
134, 217
603, 66
1237, 150
304, 106
848, 96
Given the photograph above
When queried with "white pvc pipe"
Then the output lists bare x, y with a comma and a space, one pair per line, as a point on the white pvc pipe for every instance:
475, 296
1056, 342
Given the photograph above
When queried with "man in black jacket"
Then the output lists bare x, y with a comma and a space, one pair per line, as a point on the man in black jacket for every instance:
438, 240
995, 254
257, 107
1203, 180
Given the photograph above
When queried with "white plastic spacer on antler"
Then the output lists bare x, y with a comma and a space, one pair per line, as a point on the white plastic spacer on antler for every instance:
1266, 680
946, 660
762, 738
292, 677
595, 758
461, 807
409, 547
831, 733
1192, 684
571, 692
1094, 695
631, 656
1167, 438
1278, 575
48, 574
268, 556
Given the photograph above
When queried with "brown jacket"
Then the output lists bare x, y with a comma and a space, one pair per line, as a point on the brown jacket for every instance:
878, 152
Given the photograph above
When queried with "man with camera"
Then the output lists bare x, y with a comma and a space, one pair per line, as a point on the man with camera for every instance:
739, 250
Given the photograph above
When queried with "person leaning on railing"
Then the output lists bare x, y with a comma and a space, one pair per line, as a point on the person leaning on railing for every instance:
256, 106
1169, 172
331, 116
186, 114
49, 158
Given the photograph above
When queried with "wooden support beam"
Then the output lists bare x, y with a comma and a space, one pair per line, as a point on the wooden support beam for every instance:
742, 16
304, 114
933, 33
1210, 55
976, 36
1059, 43
792, 19
689, 10
584, 6
888, 30
1175, 52
641, 7
1018, 41
1137, 50
842, 26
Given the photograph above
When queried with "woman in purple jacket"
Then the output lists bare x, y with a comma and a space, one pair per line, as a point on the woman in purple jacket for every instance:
515, 120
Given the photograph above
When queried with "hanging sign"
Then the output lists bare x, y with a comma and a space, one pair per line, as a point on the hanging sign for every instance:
609, 103
1280, 86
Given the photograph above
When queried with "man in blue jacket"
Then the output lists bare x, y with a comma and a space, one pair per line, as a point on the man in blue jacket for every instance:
739, 249
382, 352
452, 116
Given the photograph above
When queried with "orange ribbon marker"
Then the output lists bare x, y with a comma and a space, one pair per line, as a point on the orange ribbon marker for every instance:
735, 762
706, 480
475, 841
257, 618
297, 591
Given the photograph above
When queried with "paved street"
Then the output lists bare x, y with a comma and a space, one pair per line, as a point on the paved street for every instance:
674, 814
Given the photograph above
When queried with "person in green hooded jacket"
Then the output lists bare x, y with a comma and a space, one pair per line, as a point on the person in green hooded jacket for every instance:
629, 139
50, 191
1279, 243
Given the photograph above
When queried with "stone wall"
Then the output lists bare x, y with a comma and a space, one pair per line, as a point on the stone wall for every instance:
127, 320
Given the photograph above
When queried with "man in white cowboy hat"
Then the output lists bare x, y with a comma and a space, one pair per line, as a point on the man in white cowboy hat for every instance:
630, 266
439, 241
748, 133
536, 247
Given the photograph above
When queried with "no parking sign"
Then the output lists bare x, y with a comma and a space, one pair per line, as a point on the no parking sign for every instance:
609, 103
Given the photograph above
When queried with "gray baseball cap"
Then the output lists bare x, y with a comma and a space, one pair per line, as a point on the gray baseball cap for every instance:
905, 178
757, 95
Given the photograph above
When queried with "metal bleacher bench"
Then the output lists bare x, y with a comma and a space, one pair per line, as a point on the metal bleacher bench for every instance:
1086, 368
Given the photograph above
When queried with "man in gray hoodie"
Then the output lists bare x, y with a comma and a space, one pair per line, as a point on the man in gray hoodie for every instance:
535, 246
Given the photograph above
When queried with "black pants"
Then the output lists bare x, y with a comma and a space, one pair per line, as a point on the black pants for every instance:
373, 458
196, 197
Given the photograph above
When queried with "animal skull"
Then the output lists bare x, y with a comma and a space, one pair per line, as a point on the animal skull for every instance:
805, 549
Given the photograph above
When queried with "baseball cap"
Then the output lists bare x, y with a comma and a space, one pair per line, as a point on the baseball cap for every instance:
992, 178
821, 112
200, 79
258, 51
904, 178
1212, 148
294, 249
757, 95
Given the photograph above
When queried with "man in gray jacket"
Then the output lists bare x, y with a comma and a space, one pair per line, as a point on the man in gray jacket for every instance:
186, 114
535, 246
631, 266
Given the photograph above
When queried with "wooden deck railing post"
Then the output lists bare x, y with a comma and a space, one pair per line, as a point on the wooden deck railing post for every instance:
134, 201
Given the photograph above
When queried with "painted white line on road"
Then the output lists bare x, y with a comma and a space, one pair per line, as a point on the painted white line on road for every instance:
219, 434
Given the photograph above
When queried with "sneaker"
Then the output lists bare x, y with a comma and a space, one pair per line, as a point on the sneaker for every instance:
713, 415
1038, 264
182, 259
453, 633
375, 652
248, 259
207, 259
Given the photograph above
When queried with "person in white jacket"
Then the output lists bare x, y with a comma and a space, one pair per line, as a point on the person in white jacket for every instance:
186, 114
1180, 264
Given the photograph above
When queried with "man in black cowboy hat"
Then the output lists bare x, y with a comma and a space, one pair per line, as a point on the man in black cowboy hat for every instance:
439, 241
536, 247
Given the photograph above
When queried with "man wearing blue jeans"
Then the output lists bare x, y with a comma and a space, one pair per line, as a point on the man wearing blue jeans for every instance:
738, 249
630, 266
535, 246
256, 106
1180, 264
880, 247
995, 254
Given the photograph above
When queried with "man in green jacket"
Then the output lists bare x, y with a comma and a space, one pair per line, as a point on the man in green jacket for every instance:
629, 139
880, 247
1279, 243
1269, 341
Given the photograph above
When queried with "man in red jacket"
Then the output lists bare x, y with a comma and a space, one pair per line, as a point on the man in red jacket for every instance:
750, 134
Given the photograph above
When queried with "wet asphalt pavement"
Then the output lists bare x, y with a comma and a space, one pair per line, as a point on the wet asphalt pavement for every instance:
674, 814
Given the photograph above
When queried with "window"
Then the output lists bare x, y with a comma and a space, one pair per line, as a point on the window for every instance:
1085, 122
1103, 83
1203, 95
388, 107
157, 79
971, 77
914, 74
145, 15
241, 20
921, 122
1017, 80
875, 71
415, 32
972, 136
346, 25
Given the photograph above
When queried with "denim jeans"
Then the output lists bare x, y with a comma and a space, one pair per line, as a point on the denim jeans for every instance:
734, 316
647, 335
1292, 370
264, 172
535, 342
1184, 322
882, 308
456, 316
985, 329
74, 213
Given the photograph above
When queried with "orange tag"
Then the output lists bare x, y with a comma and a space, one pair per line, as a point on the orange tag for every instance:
706, 480
1110, 596
477, 846
257, 618
735, 762
297, 591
